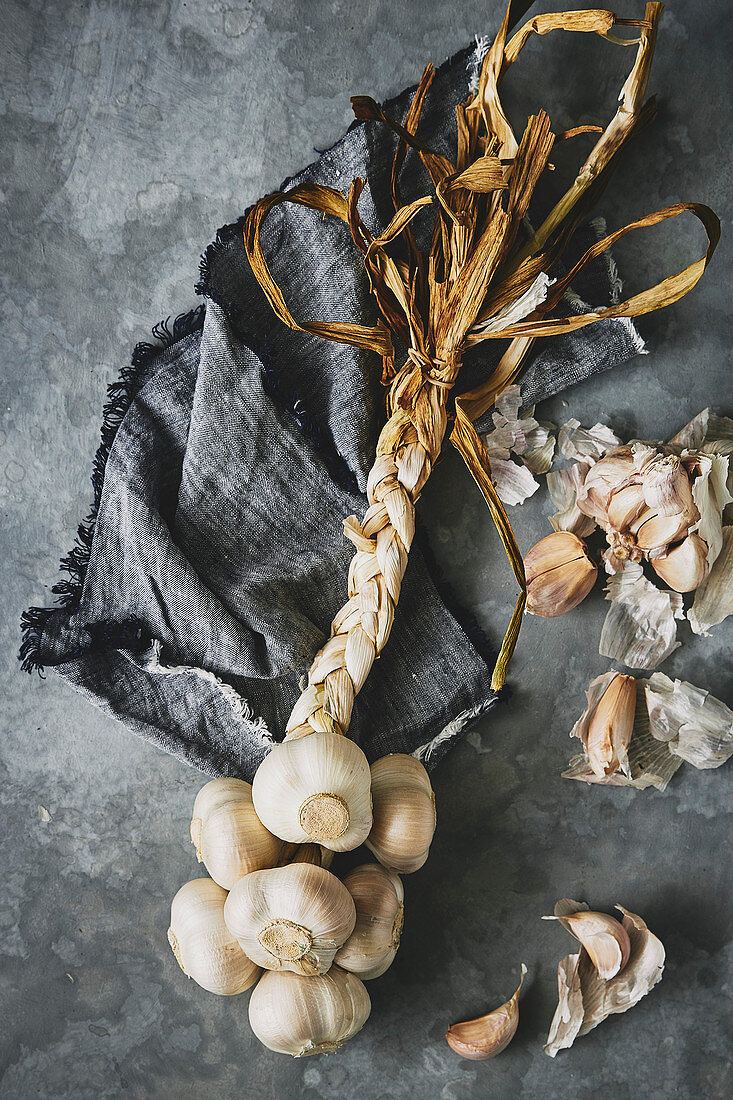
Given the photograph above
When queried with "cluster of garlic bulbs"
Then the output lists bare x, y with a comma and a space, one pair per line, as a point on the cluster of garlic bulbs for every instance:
272, 913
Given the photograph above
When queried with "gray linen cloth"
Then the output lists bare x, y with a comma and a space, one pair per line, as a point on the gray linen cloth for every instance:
205, 577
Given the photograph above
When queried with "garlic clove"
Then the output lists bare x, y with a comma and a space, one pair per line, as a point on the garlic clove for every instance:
315, 789
685, 566
603, 937
403, 813
488, 1035
204, 947
295, 1015
654, 531
609, 473
379, 899
230, 839
291, 918
610, 727
559, 574
625, 506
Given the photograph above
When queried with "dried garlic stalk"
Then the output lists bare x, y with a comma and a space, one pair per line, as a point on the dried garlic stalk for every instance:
586, 999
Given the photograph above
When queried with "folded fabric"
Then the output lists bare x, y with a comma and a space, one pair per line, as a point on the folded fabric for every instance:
205, 578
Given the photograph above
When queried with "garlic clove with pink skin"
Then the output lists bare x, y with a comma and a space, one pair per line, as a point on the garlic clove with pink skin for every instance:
685, 566
488, 1035
604, 938
610, 727
559, 574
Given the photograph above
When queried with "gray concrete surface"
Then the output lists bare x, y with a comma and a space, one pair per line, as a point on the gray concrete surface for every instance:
129, 131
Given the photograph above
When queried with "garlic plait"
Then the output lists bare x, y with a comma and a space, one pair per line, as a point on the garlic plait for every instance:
291, 918
315, 789
204, 947
403, 812
379, 898
292, 1014
230, 839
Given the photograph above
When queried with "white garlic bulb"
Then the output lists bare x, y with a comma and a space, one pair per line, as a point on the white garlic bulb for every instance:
315, 788
291, 918
295, 1015
379, 898
403, 812
204, 947
230, 839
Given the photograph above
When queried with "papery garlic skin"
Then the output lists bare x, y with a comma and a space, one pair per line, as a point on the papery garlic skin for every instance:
379, 899
610, 727
488, 1035
291, 918
559, 574
295, 1015
204, 947
315, 789
404, 813
230, 839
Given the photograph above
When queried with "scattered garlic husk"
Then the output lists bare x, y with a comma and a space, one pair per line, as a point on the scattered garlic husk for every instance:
229, 837
606, 725
690, 722
292, 1014
586, 999
576, 442
714, 598
563, 486
379, 899
603, 937
291, 918
640, 628
315, 789
404, 813
559, 574
488, 1035
204, 947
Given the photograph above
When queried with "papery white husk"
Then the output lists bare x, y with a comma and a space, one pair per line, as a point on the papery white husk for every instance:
639, 629
714, 598
710, 493
563, 487
576, 442
693, 724
523, 437
586, 1000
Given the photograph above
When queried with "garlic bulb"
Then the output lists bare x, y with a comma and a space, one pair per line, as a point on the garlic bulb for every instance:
230, 839
204, 947
315, 788
559, 574
404, 813
295, 1015
291, 918
379, 898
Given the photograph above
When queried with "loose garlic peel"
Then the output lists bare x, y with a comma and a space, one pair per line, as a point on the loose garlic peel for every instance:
291, 918
379, 899
404, 813
204, 947
293, 1014
488, 1035
230, 839
315, 789
603, 937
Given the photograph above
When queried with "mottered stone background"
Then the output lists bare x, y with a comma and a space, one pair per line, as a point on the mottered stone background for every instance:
130, 130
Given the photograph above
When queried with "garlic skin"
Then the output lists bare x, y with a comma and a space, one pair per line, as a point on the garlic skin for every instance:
404, 813
230, 839
488, 1035
379, 899
604, 938
559, 574
610, 727
315, 789
291, 918
685, 566
294, 1015
204, 947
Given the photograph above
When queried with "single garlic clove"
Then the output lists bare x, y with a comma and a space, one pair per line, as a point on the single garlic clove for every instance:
559, 574
403, 812
654, 531
291, 918
292, 1014
685, 566
604, 938
379, 899
625, 506
488, 1035
230, 839
610, 727
315, 789
204, 947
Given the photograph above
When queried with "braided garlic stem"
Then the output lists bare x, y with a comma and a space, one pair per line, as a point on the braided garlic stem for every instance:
408, 445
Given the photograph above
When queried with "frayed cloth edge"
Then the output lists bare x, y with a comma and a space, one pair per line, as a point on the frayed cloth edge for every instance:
442, 741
